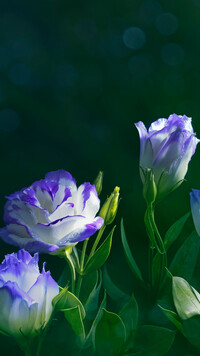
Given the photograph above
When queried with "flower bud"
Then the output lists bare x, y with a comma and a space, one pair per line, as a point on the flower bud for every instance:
149, 188
186, 298
166, 148
98, 182
109, 209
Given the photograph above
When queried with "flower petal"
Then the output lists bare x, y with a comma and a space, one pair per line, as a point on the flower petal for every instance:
87, 203
43, 291
15, 314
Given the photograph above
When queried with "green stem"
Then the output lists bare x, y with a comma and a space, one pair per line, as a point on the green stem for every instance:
100, 233
80, 277
150, 259
83, 254
157, 242
72, 269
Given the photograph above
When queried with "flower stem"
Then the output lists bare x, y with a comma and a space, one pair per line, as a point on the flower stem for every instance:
72, 268
157, 243
80, 277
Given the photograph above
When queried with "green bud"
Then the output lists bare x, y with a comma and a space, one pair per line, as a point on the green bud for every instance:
149, 187
109, 209
186, 298
98, 182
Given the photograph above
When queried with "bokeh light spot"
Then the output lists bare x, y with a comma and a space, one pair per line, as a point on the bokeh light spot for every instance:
196, 3
172, 54
9, 120
134, 38
19, 74
166, 24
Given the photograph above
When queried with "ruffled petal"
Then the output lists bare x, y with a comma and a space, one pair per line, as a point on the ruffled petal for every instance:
87, 201
81, 233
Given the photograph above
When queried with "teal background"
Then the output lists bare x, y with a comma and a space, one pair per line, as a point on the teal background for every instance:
75, 76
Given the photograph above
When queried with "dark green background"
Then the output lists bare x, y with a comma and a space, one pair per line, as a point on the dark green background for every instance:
72, 87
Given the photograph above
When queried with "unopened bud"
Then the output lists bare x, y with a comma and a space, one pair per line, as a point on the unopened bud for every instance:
109, 209
98, 182
149, 188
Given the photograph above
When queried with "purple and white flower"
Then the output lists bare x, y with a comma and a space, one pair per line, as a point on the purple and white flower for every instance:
25, 295
166, 148
195, 208
51, 214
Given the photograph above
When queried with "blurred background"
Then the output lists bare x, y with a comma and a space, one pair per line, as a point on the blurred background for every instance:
74, 78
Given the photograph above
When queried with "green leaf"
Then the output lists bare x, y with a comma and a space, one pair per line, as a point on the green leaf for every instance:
91, 305
153, 340
91, 335
191, 329
132, 264
66, 300
129, 315
100, 256
110, 334
89, 282
112, 290
173, 317
74, 318
186, 298
185, 260
175, 230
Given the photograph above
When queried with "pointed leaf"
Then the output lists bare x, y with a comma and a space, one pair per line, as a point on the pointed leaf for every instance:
74, 318
89, 282
129, 315
175, 230
100, 256
153, 340
65, 300
91, 335
91, 304
173, 317
132, 264
185, 260
115, 293
110, 334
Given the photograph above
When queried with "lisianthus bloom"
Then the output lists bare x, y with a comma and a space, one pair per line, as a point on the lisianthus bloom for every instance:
166, 148
195, 208
25, 295
51, 214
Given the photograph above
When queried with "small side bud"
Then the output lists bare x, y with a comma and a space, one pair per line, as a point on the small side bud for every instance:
98, 182
109, 209
149, 188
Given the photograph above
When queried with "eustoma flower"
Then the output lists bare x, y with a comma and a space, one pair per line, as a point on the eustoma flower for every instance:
195, 208
166, 149
25, 295
51, 214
